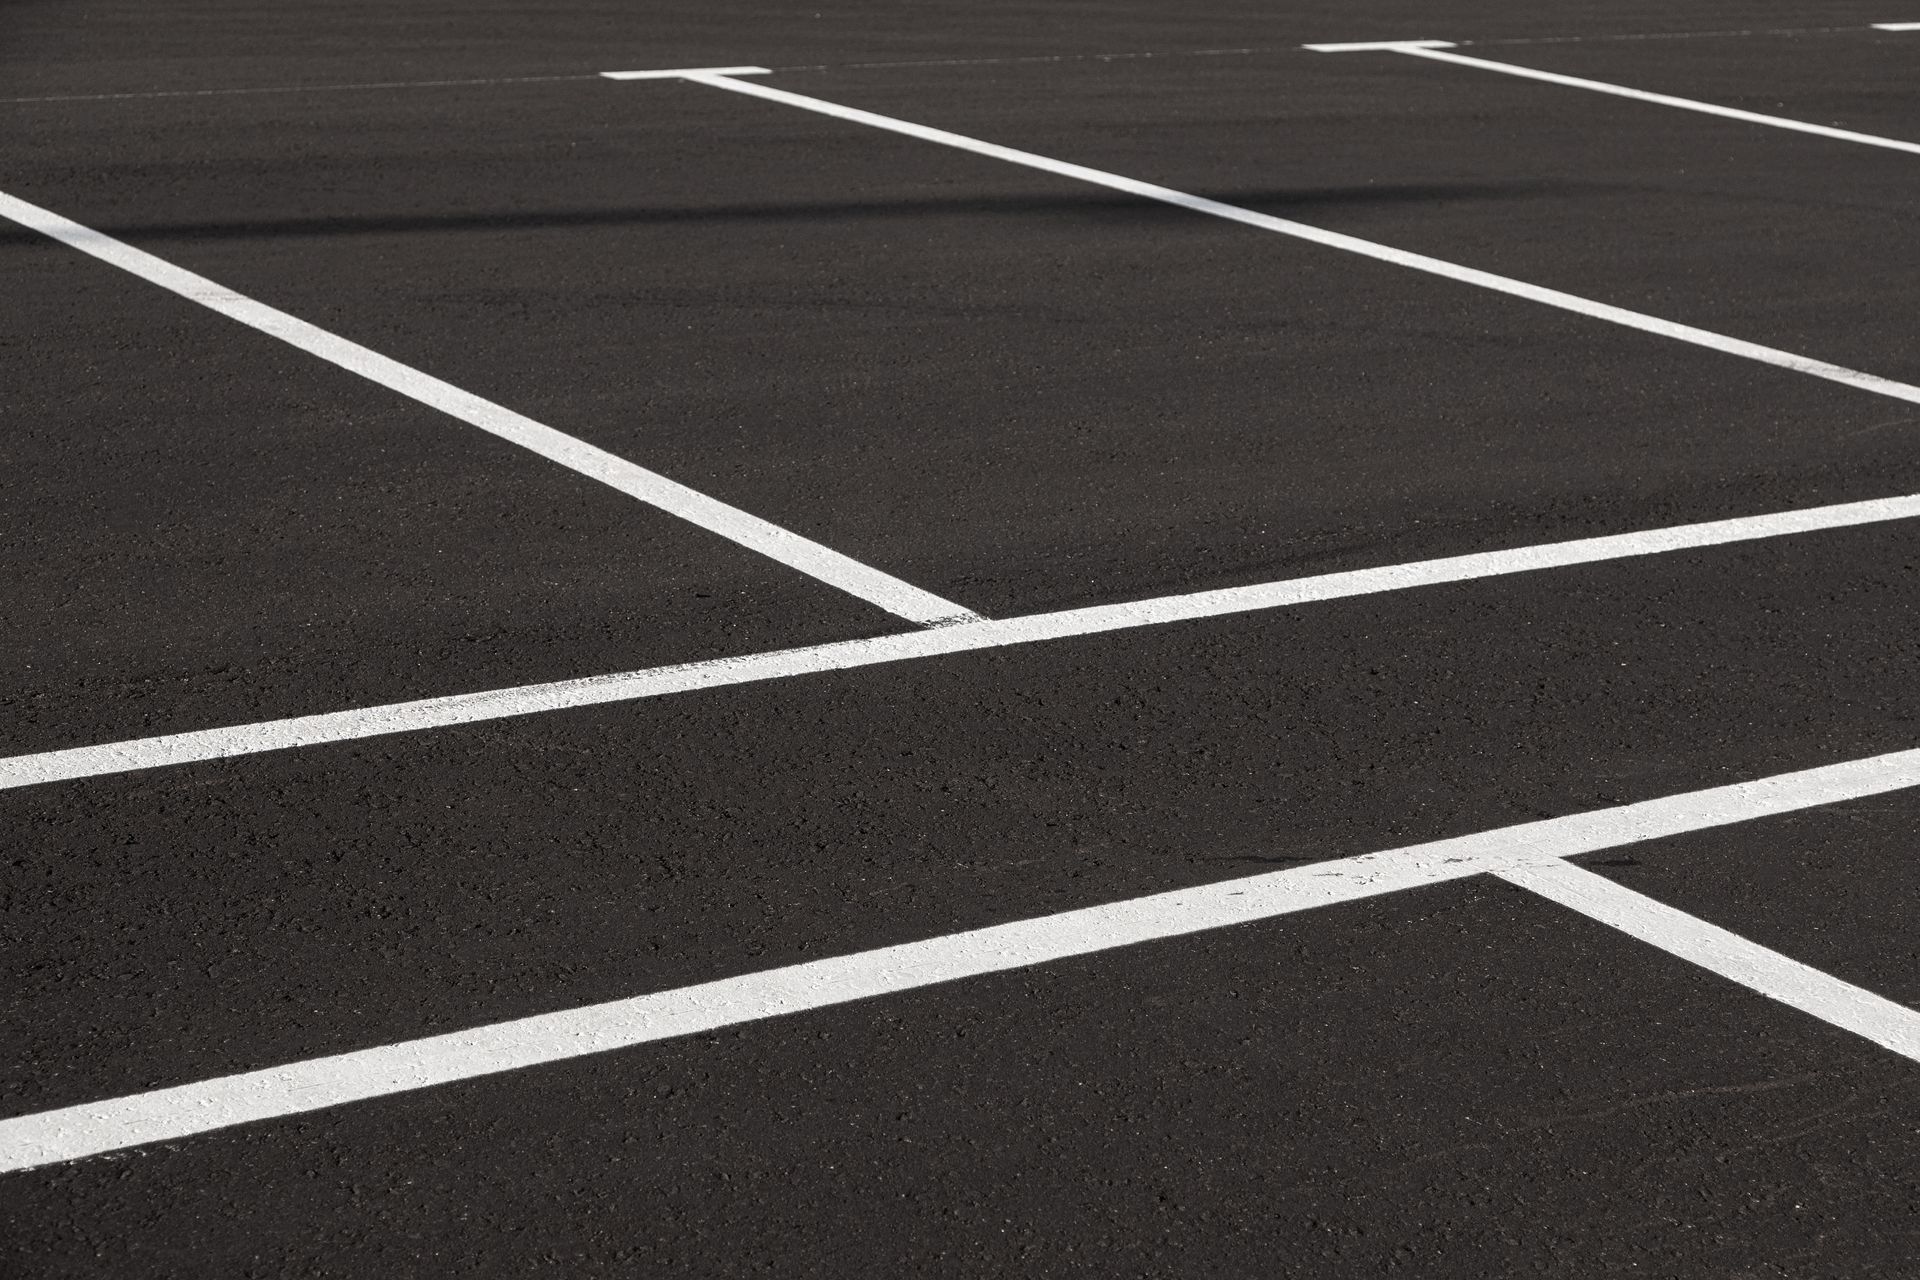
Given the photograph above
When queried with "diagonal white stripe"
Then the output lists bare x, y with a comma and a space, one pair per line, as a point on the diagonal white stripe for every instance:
1851, 1008
1333, 240
1435, 52
90, 1128
750, 531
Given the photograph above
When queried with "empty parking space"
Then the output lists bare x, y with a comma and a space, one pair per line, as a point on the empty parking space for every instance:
205, 526
1743, 230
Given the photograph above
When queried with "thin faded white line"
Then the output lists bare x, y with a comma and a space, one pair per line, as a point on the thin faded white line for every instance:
245, 90
812, 558
1036, 58
1114, 56
1334, 240
1668, 35
467, 708
1851, 1008
70, 1133
1437, 51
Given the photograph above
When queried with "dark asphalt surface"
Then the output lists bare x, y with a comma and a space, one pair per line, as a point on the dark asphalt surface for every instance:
1023, 394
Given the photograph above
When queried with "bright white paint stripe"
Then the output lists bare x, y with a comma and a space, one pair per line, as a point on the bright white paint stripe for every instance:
1826, 997
683, 72
1333, 239
162, 1115
1436, 51
1896, 26
785, 546
466, 708
1378, 46
90, 1128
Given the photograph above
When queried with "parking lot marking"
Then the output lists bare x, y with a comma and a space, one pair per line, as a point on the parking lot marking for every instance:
90, 1128
1377, 46
682, 73
1851, 1008
69, 1133
1331, 239
250, 90
467, 708
1011, 60
796, 552
1437, 51
1618, 36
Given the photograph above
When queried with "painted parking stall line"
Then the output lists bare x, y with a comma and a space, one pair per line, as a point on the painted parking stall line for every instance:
1557, 298
70, 1133
814, 559
163, 750
1440, 51
1723, 952
681, 73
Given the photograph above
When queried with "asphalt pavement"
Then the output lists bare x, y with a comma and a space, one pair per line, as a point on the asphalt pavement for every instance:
1024, 393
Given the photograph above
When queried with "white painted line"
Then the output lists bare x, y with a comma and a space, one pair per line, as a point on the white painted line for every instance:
1616, 37
1892, 1026
248, 91
466, 708
1435, 51
750, 531
682, 72
166, 1114
1378, 46
70, 1133
1112, 56
1334, 240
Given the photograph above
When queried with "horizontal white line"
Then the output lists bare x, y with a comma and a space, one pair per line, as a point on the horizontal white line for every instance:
1116, 56
1378, 46
1668, 35
679, 72
1135, 55
750, 531
69, 1133
1435, 51
1851, 1008
1335, 240
466, 708
245, 90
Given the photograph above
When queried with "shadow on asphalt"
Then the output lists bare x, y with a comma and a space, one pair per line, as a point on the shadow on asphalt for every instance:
1276, 201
